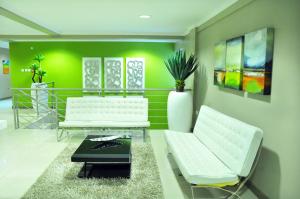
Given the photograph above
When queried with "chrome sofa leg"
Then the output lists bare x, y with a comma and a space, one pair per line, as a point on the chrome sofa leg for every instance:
192, 189
59, 135
231, 195
144, 134
68, 134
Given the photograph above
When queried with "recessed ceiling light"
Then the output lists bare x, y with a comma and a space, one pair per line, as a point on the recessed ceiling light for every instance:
145, 16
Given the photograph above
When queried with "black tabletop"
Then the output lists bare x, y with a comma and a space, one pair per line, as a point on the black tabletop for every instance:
115, 151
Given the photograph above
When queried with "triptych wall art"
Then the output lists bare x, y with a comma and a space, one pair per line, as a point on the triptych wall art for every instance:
113, 73
245, 62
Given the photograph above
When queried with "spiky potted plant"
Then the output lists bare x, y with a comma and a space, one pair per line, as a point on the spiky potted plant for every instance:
181, 68
36, 69
39, 92
180, 102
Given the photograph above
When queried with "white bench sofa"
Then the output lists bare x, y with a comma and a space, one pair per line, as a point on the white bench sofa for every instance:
105, 112
220, 152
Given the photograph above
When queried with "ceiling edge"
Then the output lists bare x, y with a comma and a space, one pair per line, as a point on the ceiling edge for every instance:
132, 38
226, 12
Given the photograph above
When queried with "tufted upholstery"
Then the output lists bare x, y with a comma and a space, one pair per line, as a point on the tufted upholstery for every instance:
196, 161
233, 141
220, 149
106, 112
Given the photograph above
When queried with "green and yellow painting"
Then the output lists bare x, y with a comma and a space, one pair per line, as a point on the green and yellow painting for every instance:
219, 66
234, 63
5, 66
258, 58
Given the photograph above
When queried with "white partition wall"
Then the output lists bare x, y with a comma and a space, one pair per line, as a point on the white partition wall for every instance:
113, 73
135, 73
91, 72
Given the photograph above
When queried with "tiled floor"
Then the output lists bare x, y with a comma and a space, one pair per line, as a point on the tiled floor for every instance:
24, 157
25, 154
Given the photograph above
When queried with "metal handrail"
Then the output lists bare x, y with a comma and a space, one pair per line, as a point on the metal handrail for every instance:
100, 89
55, 110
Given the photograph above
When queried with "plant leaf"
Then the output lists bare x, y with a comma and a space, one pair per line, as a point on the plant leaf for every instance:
179, 66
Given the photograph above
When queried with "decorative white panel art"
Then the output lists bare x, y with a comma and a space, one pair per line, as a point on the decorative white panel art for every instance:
91, 72
113, 72
135, 73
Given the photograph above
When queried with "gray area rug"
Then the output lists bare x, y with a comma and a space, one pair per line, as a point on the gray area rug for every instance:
60, 180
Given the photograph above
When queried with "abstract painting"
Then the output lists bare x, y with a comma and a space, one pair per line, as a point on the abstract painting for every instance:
258, 58
219, 68
234, 63
113, 73
135, 73
91, 72
5, 66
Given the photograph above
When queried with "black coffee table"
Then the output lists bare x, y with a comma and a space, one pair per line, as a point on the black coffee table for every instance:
106, 159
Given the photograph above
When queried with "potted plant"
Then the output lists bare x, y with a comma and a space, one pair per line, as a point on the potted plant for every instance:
180, 102
39, 92
36, 68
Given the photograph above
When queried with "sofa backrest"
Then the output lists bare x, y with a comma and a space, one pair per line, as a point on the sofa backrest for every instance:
234, 142
107, 109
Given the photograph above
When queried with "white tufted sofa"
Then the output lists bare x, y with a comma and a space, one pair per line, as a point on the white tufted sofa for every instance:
106, 112
220, 151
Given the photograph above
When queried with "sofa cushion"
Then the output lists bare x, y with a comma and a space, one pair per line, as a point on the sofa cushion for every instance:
103, 124
107, 109
234, 142
196, 162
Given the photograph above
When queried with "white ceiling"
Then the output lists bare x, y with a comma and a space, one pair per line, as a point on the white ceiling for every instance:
10, 27
111, 17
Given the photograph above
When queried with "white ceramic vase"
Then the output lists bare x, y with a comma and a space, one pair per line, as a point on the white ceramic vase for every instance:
180, 109
39, 98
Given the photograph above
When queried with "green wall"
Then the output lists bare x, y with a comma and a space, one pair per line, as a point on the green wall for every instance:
277, 175
63, 64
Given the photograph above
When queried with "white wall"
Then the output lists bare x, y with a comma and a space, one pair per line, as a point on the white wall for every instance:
4, 79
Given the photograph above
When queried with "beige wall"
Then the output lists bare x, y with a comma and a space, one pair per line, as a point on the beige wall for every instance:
188, 44
278, 172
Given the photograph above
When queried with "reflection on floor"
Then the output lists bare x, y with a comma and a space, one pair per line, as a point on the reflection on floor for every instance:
25, 154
